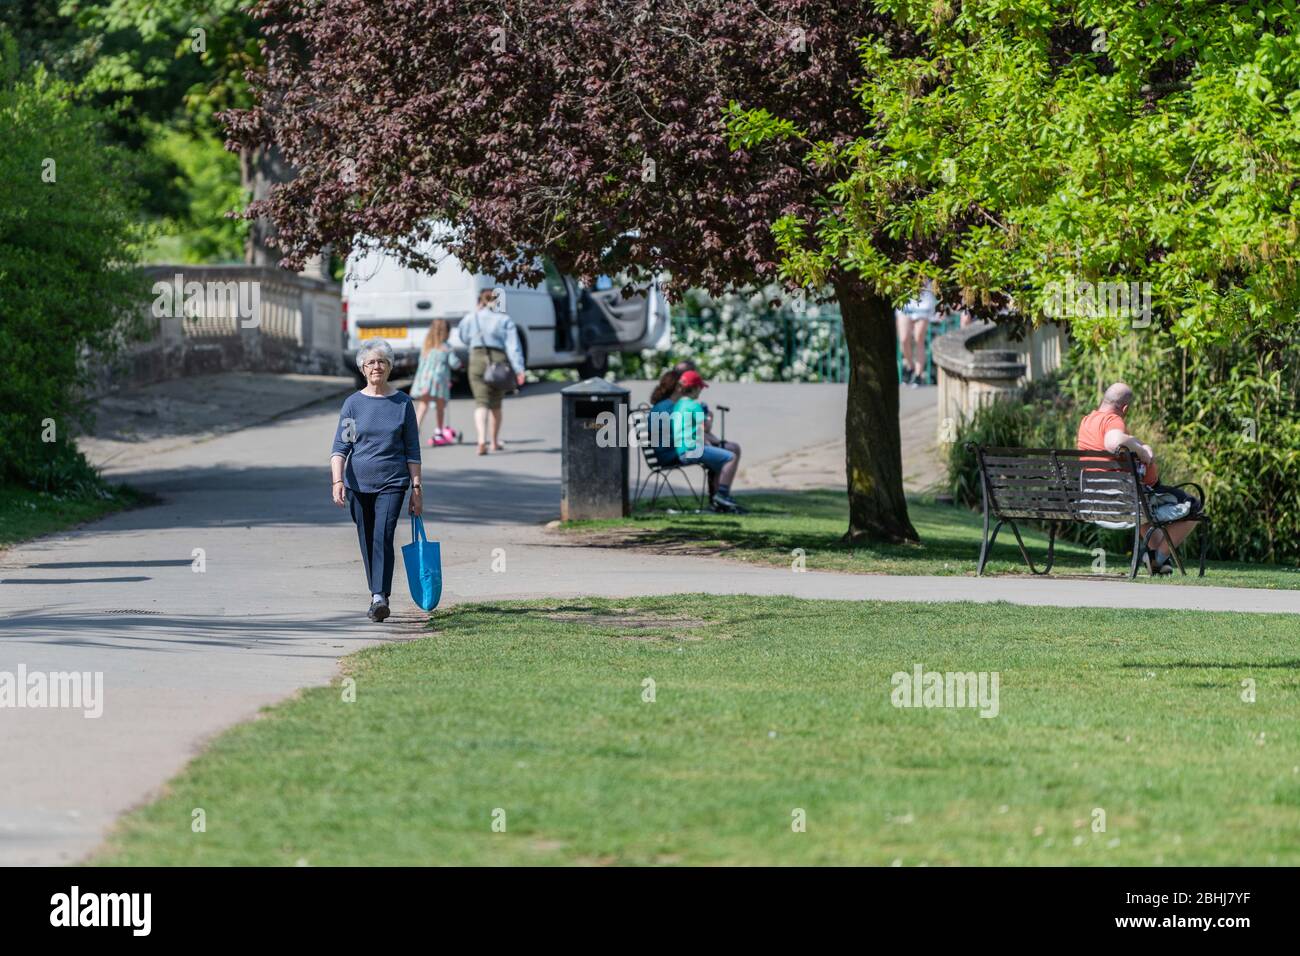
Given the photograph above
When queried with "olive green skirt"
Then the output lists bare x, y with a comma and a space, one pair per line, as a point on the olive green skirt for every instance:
485, 396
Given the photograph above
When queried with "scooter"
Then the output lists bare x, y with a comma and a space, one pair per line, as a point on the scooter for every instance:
447, 435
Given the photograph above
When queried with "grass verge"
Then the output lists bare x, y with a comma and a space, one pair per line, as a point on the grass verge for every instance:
27, 514
536, 714
814, 521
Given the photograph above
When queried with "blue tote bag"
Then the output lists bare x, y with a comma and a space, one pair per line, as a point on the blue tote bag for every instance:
423, 560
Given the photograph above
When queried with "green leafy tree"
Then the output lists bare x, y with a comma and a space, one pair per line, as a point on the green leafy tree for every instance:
203, 188
1042, 147
160, 70
160, 54
68, 286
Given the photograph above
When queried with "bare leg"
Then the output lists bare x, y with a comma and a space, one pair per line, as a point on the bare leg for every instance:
904, 328
421, 409
439, 408
728, 472
1156, 542
496, 429
1178, 531
480, 426
918, 346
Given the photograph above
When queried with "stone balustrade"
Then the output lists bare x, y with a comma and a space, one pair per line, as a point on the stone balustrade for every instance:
201, 319
980, 364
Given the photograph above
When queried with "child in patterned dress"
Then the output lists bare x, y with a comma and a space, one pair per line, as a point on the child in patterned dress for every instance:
433, 381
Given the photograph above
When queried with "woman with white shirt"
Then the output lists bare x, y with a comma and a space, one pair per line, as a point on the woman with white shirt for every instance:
491, 338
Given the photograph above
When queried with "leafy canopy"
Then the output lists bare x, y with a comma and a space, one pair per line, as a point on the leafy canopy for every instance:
1038, 141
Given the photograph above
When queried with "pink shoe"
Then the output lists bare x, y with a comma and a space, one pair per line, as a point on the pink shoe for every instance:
437, 441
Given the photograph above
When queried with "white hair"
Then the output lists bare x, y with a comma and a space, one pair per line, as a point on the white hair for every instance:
376, 347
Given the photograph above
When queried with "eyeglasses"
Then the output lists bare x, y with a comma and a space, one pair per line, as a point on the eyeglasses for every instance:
377, 363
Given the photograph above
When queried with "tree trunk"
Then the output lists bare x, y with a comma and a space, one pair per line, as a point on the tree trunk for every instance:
873, 447
259, 170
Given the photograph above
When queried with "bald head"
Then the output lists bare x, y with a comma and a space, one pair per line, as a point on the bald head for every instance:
1119, 396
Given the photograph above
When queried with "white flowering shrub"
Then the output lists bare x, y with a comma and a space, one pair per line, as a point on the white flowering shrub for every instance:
748, 336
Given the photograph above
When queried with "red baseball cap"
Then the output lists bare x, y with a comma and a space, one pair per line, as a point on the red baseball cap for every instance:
691, 379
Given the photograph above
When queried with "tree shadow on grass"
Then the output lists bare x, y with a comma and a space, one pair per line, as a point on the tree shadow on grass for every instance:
722, 535
498, 610
644, 621
1216, 665
949, 534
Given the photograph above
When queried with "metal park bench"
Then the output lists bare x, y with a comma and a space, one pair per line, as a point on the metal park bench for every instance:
1059, 485
658, 472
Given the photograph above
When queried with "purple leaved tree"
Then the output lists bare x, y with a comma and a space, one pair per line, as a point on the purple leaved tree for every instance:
591, 132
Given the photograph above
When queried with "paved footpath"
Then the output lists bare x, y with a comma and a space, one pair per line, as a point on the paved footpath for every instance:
280, 597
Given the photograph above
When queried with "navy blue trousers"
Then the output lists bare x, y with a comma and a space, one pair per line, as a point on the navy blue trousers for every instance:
375, 514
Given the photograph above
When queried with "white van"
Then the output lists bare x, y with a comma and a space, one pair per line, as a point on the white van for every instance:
561, 324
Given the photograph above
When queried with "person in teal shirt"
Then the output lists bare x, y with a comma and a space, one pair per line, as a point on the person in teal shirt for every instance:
688, 437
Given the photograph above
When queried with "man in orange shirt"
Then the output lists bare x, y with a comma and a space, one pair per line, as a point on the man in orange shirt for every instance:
1105, 430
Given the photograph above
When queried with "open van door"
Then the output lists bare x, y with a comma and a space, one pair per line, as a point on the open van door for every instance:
612, 323
659, 321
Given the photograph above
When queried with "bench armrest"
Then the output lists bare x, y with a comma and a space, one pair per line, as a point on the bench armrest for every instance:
1200, 492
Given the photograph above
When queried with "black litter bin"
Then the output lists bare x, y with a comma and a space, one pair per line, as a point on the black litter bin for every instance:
593, 451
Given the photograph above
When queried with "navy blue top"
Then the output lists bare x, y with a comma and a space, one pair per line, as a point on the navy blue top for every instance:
378, 436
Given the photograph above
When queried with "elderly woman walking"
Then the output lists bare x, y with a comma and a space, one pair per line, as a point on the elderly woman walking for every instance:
376, 457
491, 338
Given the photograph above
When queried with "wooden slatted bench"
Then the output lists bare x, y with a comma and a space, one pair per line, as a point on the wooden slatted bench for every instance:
1058, 485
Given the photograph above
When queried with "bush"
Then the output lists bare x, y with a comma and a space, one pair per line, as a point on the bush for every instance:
744, 337
1040, 420
66, 473
67, 284
1227, 417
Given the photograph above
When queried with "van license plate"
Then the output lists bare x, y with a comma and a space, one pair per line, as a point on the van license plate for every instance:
384, 332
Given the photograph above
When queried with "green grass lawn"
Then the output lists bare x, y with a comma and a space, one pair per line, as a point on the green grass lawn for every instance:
27, 514
950, 542
763, 706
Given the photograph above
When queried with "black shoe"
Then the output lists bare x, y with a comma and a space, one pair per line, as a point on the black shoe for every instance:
378, 611
1157, 567
724, 504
